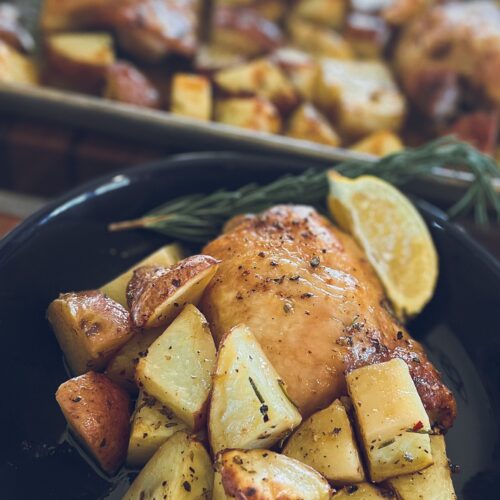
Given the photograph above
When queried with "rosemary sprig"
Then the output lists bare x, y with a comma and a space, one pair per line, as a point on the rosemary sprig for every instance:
199, 218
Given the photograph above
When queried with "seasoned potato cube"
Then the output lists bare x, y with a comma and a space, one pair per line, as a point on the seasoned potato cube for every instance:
98, 411
260, 77
318, 40
269, 475
325, 442
245, 31
362, 491
181, 469
330, 12
307, 123
367, 34
254, 113
89, 327
249, 407
16, 68
381, 143
391, 418
165, 257
362, 95
156, 295
300, 68
210, 58
273, 10
191, 96
122, 365
66, 15
178, 367
434, 482
152, 425
80, 59
125, 83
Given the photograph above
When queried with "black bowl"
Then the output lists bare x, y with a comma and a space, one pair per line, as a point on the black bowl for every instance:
66, 246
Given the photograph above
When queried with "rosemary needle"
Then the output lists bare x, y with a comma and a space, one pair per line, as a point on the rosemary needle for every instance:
198, 218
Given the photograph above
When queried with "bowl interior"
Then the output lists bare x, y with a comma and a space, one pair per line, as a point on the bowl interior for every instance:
67, 247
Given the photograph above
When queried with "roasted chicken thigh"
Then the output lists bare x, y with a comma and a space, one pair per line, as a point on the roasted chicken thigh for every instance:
316, 306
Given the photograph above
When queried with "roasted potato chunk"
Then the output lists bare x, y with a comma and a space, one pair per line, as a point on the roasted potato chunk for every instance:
166, 256
361, 95
125, 83
16, 68
80, 59
244, 31
262, 78
308, 124
178, 367
210, 58
121, 367
152, 425
98, 412
325, 442
391, 419
249, 407
156, 295
274, 10
362, 491
319, 41
89, 327
329, 12
269, 475
191, 96
300, 68
254, 113
367, 34
381, 143
434, 482
181, 469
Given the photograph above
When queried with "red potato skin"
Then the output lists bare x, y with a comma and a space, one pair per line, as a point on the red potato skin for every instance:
125, 83
98, 411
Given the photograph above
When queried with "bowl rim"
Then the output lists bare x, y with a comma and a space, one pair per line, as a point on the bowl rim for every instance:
125, 176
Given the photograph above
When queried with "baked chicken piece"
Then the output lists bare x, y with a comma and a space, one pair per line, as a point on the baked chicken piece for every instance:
316, 306
447, 46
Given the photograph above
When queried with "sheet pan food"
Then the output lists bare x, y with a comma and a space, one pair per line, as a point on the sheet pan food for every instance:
372, 75
271, 366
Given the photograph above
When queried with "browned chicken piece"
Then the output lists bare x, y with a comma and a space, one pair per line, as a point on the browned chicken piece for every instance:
125, 83
316, 306
11, 30
396, 12
457, 38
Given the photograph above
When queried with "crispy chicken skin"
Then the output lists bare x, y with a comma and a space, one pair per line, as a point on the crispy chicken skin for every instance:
315, 304
461, 39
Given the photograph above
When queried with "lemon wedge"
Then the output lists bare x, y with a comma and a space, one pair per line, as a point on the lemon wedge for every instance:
393, 235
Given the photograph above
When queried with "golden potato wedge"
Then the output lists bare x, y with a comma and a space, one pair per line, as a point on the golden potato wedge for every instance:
89, 327
362, 491
249, 407
391, 419
329, 12
191, 95
98, 412
434, 482
254, 113
178, 367
122, 365
318, 40
265, 474
125, 83
80, 59
181, 469
300, 68
260, 77
210, 58
309, 124
165, 256
156, 295
381, 143
12, 32
16, 68
152, 425
325, 442
244, 31
361, 95
367, 34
